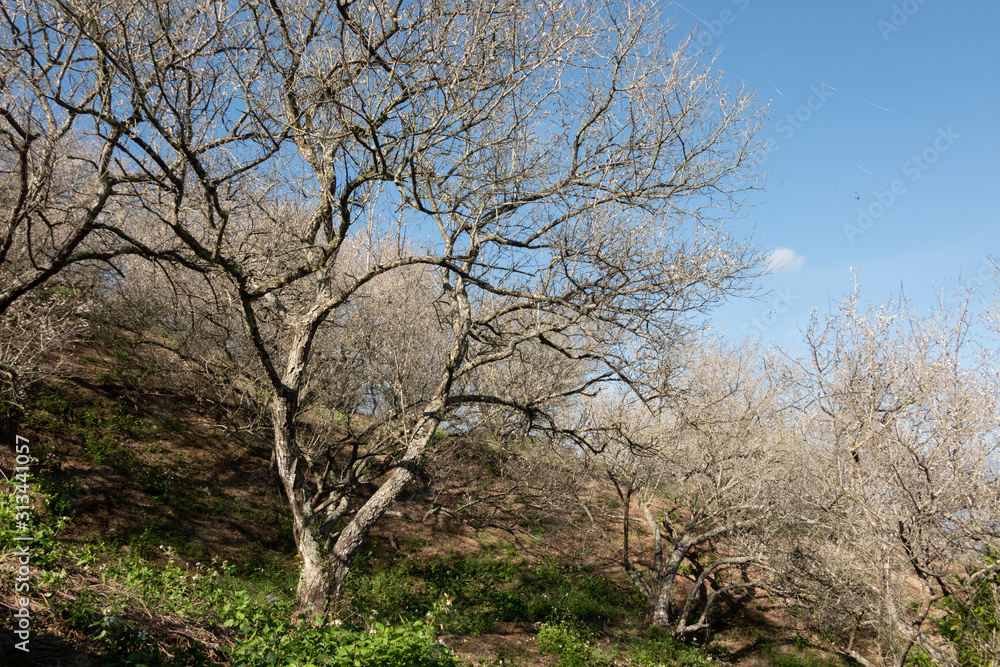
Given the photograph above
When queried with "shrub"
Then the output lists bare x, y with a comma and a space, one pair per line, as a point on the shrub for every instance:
972, 625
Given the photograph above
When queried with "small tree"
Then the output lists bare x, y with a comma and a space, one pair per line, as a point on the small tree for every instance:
37, 324
706, 472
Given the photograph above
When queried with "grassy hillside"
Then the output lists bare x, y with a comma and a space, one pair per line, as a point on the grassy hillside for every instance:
161, 537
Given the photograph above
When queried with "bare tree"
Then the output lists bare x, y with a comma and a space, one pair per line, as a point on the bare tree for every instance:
57, 170
34, 326
703, 475
60, 172
902, 423
562, 170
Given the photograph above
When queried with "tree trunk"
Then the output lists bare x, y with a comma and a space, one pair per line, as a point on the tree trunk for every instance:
356, 532
314, 580
322, 577
324, 571
314, 585
661, 608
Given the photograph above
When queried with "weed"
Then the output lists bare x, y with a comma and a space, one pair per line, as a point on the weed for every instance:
657, 648
267, 637
412, 544
918, 658
776, 657
208, 593
490, 587
105, 449
573, 646
610, 500
155, 481
503, 658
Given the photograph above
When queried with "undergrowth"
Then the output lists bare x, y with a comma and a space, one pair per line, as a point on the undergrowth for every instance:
148, 597
224, 613
493, 586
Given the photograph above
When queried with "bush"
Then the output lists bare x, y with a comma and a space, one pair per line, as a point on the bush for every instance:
972, 625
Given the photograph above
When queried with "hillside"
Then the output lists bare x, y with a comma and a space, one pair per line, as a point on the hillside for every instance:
398, 333
157, 521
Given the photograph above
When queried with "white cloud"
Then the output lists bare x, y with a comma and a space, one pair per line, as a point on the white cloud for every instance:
784, 259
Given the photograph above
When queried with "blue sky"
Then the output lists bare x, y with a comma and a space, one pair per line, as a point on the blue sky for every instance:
886, 131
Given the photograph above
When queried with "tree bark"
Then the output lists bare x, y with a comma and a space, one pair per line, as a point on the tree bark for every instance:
661, 608
314, 579
356, 532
